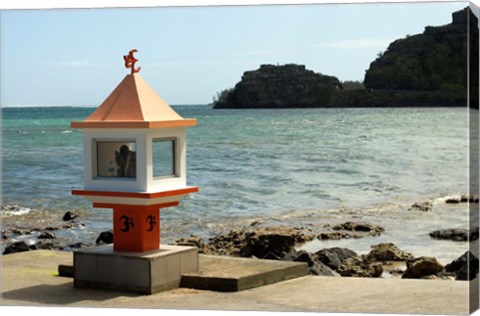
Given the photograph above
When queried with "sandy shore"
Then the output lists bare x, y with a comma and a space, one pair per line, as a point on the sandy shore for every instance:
30, 279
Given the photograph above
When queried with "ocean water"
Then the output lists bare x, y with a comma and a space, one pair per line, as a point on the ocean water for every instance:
296, 167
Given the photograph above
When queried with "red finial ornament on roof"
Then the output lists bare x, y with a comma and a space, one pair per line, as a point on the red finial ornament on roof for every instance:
130, 61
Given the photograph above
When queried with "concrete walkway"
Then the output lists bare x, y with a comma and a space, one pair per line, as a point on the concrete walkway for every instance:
29, 279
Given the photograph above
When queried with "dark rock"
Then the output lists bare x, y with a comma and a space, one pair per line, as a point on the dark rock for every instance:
315, 267
66, 270
334, 257
452, 201
47, 235
423, 207
351, 230
105, 237
455, 234
336, 236
9, 207
465, 267
193, 241
469, 199
79, 245
462, 199
474, 199
358, 227
280, 86
304, 256
35, 246
49, 245
230, 244
259, 242
356, 267
19, 246
388, 252
302, 235
24, 231
18, 231
474, 234
319, 268
421, 267
69, 216
464, 273
274, 242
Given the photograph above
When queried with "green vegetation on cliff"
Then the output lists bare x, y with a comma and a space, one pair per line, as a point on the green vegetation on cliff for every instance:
435, 60
428, 69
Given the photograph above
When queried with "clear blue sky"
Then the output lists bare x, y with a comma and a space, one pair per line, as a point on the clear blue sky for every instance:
188, 54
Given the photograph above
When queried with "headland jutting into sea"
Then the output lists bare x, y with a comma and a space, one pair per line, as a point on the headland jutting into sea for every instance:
427, 70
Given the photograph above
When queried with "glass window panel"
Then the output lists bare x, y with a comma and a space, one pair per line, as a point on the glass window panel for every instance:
116, 159
163, 157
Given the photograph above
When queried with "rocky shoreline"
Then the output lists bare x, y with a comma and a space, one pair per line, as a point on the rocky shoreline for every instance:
18, 238
279, 243
258, 240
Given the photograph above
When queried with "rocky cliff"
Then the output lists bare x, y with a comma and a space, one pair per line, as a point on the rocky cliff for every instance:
428, 69
279, 87
435, 60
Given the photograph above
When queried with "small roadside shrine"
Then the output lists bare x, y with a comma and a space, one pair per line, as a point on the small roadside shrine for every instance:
134, 163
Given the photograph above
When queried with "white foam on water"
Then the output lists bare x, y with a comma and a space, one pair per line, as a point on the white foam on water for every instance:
443, 199
17, 212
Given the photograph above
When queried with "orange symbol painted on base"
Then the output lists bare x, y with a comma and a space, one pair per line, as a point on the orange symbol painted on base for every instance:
130, 61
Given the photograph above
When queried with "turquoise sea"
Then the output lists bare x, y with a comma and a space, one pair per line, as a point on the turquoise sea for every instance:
296, 167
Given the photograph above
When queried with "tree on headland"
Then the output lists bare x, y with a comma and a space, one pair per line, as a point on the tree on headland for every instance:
353, 85
221, 96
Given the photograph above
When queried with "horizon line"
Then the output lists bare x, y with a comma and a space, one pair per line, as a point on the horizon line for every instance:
80, 106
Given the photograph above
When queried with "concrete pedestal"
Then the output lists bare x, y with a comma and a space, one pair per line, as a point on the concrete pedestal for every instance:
145, 272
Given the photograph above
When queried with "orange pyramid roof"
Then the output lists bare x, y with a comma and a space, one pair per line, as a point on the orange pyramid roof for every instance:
134, 104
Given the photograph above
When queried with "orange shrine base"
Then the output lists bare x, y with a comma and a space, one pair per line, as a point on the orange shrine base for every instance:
136, 215
141, 272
